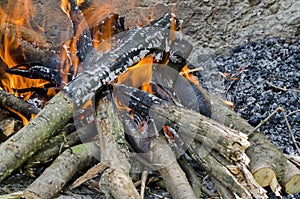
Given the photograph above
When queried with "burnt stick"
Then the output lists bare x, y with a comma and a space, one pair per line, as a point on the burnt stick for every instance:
36, 72
17, 104
102, 70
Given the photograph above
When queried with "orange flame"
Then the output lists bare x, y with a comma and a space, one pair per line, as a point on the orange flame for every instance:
139, 75
16, 15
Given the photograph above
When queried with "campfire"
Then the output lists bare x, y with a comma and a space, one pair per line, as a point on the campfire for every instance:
109, 99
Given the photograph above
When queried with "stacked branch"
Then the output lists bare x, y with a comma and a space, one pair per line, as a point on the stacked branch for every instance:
222, 154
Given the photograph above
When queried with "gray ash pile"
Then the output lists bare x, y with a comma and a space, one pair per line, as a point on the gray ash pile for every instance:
260, 77
257, 78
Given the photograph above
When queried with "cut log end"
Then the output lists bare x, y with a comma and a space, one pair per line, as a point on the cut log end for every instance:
293, 185
264, 176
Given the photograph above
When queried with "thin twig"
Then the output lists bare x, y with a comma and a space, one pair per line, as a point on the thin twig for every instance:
143, 183
290, 131
293, 112
265, 120
191, 71
283, 89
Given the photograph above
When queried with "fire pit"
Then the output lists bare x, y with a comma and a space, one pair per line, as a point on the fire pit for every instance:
130, 99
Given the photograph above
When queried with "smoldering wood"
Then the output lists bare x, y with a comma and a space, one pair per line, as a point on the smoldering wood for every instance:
101, 71
27, 41
105, 69
36, 72
61, 171
17, 104
111, 25
188, 123
31, 138
82, 36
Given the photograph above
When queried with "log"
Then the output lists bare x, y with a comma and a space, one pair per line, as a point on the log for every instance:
158, 156
27, 41
17, 104
55, 146
142, 102
8, 125
187, 122
31, 138
61, 171
286, 173
265, 162
164, 159
59, 110
115, 181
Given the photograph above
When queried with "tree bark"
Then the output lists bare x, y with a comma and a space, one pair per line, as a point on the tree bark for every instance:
31, 138
56, 176
17, 104
115, 181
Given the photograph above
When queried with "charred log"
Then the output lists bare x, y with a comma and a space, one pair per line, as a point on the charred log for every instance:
17, 104
107, 68
33, 71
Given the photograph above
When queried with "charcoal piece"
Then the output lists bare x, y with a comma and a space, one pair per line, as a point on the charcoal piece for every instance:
36, 72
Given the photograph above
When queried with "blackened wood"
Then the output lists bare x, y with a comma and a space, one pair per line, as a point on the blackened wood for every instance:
109, 26
36, 72
189, 123
16, 150
82, 35
62, 170
32, 46
17, 104
105, 69
167, 21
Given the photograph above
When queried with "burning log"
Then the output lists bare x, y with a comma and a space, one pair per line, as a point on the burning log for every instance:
100, 71
10, 101
60, 108
55, 177
230, 143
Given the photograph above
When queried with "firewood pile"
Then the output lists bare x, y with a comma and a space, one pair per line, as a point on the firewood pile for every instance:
114, 102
